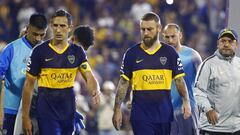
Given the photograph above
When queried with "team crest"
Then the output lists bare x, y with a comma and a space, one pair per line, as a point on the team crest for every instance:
71, 58
163, 60
84, 66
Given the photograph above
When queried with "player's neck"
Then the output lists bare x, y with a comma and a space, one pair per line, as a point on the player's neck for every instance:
179, 48
59, 45
155, 45
29, 41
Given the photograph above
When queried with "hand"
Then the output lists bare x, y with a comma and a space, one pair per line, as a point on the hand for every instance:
186, 109
129, 105
27, 126
96, 97
117, 118
212, 117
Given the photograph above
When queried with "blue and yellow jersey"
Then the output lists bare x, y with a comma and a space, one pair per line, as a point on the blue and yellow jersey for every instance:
56, 72
151, 77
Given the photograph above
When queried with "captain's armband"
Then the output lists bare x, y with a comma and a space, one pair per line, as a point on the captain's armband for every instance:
84, 67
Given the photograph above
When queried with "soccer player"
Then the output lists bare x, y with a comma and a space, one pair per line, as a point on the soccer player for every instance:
191, 60
150, 66
83, 35
54, 64
13, 61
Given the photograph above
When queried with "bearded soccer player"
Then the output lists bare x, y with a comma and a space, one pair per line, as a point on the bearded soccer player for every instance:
150, 66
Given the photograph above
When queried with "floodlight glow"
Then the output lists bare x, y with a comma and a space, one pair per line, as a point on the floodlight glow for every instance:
170, 2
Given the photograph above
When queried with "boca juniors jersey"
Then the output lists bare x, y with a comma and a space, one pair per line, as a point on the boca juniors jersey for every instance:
151, 77
56, 72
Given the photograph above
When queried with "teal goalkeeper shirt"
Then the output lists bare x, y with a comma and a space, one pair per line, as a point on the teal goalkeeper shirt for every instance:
13, 61
191, 60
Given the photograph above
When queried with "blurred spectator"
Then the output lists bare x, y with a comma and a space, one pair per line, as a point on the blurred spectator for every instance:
5, 22
139, 8
24, 14
105, 110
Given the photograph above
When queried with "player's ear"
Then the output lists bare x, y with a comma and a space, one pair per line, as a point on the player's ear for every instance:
70, 28
180, 35
159, 26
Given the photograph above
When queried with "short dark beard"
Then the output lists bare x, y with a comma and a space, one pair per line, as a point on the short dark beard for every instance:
151, 42
227, 55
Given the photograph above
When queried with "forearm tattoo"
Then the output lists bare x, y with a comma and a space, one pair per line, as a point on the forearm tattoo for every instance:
121, 91
181, 87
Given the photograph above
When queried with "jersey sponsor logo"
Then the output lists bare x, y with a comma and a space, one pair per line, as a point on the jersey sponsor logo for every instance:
163, 60
49, 59
153, 79
71, 58
62, 77
139, 61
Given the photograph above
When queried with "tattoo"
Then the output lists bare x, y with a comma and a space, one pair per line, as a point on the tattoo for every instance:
182, 88
121, 92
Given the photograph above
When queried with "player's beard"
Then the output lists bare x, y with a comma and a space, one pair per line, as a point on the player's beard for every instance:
149, 42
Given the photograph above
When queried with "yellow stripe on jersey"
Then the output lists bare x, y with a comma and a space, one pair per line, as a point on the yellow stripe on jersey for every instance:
150, 79
125, 77
57, 51
32, 76
57, 78
180, 75
154, 51
84, 67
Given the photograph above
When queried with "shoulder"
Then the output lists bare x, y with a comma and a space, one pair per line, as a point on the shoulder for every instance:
41, 46
236, 58
40, 49
11, 45
167, 47
168, 50
192, 52
133, 50
76, 48
15, 42
209, 61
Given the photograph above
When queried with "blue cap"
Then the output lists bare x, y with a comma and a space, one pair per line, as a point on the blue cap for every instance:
228, 33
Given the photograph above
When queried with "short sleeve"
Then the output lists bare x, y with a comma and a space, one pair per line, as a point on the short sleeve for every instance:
177, 66
33, 65
126, 67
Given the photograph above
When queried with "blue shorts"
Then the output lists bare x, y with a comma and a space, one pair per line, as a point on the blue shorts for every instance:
149, 128
181, 126
9, 122
55, 127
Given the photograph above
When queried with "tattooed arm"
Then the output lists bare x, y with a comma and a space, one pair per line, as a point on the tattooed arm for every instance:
121, 93
182, 89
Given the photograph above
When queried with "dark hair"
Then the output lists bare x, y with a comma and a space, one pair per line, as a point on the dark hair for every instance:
151, 16
38, 20
85, 35
62, 13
